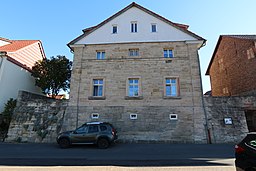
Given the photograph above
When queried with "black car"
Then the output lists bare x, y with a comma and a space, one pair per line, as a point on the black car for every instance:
100, 133
245, 153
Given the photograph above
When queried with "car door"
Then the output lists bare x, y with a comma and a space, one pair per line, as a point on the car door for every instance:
92, 134
79, 135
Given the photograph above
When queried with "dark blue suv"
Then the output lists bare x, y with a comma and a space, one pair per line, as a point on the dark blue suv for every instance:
99, 133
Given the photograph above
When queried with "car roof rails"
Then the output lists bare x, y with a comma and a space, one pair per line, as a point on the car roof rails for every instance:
93, 123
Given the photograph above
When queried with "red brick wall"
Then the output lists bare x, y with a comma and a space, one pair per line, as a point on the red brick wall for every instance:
231, 72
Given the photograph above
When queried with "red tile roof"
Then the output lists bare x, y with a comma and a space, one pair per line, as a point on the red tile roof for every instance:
16, 45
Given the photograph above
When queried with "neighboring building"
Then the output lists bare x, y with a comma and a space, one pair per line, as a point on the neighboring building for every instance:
16, 60
140, 72
233, 66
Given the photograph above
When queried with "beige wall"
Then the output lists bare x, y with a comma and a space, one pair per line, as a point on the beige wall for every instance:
152, 108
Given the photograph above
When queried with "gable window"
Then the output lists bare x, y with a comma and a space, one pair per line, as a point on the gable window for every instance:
171, 87
133, 52
168, 53
133, 87
97, 87
114, 29
100, 54
153, 27
134, 27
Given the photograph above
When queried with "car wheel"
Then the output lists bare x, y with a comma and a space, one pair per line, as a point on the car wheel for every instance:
103, 143
64, 143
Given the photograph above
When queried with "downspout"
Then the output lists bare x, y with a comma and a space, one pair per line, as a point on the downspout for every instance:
208, 133
78, 91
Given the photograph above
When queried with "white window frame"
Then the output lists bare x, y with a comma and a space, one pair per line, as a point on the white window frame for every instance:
170, 84
98, 84
133, 84
168, 50
133, 116
99, 54
173, 116
134, 52
134, 27
95, 116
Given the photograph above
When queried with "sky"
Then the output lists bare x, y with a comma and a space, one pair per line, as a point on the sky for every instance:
57, 22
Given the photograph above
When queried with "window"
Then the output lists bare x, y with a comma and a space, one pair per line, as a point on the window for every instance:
168, 53
133, 116
153, 27
134, 27
100, 55
171, 87
93, 129
133, 87
173, 117
133, 52
81, 130
114, 29
103, 128
98, 87
250, 53
95, 116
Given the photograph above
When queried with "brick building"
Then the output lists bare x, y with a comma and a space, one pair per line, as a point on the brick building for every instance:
140, 72
232, 67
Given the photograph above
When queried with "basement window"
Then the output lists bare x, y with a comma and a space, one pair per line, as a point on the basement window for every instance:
173, 117
95, 116
133, 116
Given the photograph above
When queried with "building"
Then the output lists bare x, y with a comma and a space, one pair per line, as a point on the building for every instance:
232, 66
232, 73
140, 72
16, 60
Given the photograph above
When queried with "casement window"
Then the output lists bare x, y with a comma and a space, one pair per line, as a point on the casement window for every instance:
114, 29
134, 28
133, 52
168, 53
98, 87
171, 87
100, 54
133, 87
153, 27
250, 53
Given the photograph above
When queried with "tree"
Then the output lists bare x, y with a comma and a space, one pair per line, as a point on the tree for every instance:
52, 75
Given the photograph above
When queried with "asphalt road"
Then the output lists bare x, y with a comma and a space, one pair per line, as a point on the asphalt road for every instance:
154, 155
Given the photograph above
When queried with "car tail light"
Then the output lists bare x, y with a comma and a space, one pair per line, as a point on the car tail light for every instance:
113, 131
239, 149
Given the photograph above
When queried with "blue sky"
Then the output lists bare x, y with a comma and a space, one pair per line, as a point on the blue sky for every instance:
57, 22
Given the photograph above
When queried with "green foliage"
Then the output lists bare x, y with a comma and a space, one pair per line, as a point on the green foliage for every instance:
7, 116
53, 75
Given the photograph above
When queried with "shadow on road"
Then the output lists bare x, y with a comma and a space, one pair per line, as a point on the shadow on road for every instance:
125, 155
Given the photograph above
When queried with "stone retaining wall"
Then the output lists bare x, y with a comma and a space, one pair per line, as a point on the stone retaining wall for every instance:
36, 118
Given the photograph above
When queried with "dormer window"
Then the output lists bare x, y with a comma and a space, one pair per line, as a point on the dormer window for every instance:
114, 29
153, 28
134, 28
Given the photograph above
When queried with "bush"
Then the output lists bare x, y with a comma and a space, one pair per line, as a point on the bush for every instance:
6, 117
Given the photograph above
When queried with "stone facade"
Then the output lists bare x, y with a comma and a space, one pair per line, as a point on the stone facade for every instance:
220, 108
153, 109
36, 118
40, 119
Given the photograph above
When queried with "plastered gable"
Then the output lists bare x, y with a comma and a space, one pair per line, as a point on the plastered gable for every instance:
165, 31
